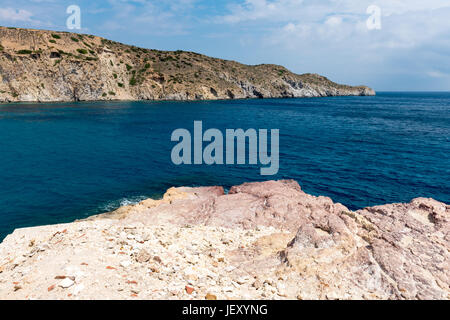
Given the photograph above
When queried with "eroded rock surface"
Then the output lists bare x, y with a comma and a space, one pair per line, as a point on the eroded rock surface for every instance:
41, 66
266, 240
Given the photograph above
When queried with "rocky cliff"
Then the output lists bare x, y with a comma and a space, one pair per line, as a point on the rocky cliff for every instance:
40, 66
266, 240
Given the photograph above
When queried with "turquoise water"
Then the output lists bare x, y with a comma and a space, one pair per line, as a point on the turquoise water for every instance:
60, 162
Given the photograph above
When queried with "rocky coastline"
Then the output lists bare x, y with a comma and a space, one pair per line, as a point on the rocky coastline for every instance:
51, 66
263, 240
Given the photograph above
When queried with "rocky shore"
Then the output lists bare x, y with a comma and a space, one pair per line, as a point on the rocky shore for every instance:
266, 240
51, 66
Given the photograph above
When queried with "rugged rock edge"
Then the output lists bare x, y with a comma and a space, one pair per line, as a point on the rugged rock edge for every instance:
264, 240
50, 66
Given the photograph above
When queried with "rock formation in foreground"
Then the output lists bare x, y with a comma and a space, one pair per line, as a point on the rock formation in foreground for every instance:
266, 240
43, 66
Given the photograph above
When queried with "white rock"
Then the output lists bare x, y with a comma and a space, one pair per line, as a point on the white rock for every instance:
66, 283
125, 263
229, 268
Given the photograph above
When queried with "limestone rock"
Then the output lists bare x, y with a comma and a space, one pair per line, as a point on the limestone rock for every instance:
265, 240
42, 66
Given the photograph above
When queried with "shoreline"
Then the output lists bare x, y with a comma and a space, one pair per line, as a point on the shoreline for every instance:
183, 101
262, 240
41, 65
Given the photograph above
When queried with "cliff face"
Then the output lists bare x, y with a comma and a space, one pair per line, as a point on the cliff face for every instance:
39, 66
266, 240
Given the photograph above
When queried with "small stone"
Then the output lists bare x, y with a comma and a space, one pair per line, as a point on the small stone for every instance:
229, 268
51, 288
66, 283
281, 289
192, 277
189, 289
243, 280
257, 284
210, 296
143, 256
125, 263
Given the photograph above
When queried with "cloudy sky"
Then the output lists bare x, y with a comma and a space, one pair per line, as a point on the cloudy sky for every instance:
411, 51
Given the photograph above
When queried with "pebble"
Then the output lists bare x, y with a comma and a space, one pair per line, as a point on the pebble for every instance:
229, 268
66, 283
210, 296
189, 289
142, 256
125, 263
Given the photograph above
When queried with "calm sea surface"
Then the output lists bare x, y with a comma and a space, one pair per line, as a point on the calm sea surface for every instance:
60, 162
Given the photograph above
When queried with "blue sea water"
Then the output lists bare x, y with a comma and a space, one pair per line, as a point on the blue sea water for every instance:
60, 162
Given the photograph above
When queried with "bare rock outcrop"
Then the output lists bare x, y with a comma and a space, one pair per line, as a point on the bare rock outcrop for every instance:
263, 240
42, 66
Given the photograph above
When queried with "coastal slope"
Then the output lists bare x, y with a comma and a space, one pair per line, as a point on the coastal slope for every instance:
46, 66
265, 240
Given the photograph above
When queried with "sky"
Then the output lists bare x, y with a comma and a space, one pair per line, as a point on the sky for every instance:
404, 47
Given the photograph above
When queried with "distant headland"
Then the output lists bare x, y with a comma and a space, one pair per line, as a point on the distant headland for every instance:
50, 66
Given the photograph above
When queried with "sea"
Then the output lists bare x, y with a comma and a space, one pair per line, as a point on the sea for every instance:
65, 161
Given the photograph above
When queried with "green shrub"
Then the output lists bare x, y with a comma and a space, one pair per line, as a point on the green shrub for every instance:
129, 67
104, 94
112, 93
82, 51
120, 84
55, 36
115, 76
74, 39
52, 41
147, 65
24, 52
133, 81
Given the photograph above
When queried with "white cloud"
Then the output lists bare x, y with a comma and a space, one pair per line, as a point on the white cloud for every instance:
332, 35
14, 15
437, 74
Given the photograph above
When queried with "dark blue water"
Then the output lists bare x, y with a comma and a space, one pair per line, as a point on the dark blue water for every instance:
60, 162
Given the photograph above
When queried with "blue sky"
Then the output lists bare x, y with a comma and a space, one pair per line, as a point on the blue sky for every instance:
411, 51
